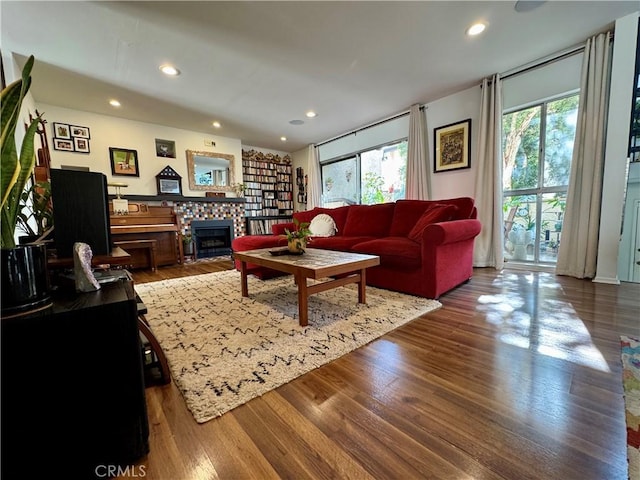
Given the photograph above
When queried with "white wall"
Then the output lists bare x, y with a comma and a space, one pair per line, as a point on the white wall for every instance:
616, 150
447, 110
107, 131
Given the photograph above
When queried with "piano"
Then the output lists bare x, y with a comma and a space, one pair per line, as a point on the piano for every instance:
146, 222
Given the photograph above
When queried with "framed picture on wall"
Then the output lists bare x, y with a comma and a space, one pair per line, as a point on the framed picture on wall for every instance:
124, 162
63, 144
61, 130
165, 148
82, 132
452, 146
81, 145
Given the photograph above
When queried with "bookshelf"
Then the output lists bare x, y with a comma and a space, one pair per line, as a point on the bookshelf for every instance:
269, 190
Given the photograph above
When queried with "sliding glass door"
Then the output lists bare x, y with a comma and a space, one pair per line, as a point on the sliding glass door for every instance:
537, 150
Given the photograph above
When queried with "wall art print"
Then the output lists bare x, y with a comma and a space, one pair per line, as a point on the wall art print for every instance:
452, 146
71, 138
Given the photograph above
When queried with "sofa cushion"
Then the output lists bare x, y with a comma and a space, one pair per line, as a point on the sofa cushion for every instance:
307, 215
337, 242
369, 220
322, 226
339, 216
436, 213
406, 214
465, 207
394, 252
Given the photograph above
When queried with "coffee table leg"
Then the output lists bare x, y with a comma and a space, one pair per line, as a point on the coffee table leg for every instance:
303, 297
362, 287
243, 279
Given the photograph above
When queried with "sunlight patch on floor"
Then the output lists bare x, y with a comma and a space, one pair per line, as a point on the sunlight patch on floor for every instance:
554, 329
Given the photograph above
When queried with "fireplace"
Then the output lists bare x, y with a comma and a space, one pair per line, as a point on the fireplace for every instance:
212, 238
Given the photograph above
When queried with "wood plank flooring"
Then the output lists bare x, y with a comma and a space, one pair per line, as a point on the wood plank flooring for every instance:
517, 376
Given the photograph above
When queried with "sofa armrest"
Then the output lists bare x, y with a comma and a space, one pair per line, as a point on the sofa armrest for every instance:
278, 228
451, 232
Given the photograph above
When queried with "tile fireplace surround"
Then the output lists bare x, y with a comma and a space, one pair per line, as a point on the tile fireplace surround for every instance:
209, 210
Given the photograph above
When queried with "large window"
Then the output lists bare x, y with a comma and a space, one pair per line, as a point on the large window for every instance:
371, 176
537, 151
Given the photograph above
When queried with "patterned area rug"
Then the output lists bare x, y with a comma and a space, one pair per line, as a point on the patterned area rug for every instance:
631, 383
223, 349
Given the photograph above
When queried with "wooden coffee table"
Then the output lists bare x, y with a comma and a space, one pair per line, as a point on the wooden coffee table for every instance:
315, 264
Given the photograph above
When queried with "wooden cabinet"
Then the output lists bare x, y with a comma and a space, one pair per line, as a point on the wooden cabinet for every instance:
73, 397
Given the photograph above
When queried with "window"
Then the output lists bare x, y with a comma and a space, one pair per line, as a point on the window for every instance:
537, 151
372, 176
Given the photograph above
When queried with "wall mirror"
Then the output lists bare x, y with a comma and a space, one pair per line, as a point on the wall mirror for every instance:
210, 171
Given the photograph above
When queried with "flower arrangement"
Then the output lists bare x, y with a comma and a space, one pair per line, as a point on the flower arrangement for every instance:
298, 237
239, 188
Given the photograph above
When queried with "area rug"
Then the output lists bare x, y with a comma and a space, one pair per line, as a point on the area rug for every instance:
630, 352
224, 350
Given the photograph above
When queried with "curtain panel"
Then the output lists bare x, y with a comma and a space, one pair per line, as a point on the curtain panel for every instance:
418, 172
488, 249
578, 249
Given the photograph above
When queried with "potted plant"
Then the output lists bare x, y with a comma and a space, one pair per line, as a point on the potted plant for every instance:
35, 218
187, 243
299, 237
25, 282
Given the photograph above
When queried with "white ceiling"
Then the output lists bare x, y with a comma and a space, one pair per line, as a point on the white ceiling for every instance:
254, 66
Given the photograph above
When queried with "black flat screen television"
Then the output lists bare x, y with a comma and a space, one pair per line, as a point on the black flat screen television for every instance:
80, 211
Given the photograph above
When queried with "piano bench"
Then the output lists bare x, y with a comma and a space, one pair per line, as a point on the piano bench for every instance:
150, 245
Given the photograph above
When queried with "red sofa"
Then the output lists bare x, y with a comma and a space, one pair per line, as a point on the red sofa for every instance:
425, 246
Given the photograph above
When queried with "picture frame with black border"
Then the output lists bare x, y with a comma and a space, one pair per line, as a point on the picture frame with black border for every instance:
63, 144
452, 146
168, 186
81, 145
81, 132
124, 162
61, 130
165, 148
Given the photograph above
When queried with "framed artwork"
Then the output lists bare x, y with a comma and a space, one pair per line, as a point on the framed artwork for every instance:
452, 146
63, 144
165, 148
169, 182
61, 130
81, 132
168, 186
124, 162
81, 144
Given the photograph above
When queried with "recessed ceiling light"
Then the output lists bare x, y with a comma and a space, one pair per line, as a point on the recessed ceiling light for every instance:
114, 103
311, 114
216, 124
284, 139
476, 29
169, 70
296, 122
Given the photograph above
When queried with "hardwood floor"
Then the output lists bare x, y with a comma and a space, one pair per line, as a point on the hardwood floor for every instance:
517, 376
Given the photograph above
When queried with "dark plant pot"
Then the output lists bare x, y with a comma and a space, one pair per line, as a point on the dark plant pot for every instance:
25, 279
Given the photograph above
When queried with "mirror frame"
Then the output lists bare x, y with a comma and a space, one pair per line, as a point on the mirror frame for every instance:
209, 188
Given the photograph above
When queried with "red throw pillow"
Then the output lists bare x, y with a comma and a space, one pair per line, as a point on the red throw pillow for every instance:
438, 213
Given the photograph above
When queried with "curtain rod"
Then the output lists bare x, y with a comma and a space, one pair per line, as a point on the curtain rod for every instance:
541, 62
379, 122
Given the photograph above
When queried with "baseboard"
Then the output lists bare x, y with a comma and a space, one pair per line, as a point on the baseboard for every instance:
608, 280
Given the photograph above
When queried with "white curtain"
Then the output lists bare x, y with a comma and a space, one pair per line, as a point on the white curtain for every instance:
488, 249
579, 242
314, 192
417, 164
